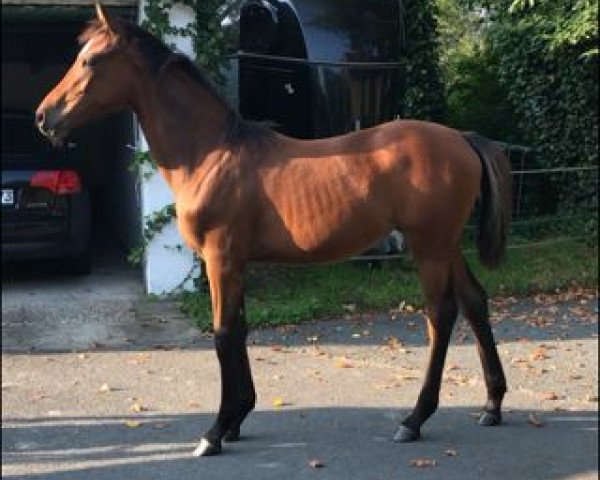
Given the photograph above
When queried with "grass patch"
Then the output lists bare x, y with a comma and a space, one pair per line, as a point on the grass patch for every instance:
277, 294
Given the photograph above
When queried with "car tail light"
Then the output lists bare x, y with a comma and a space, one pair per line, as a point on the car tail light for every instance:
60, 182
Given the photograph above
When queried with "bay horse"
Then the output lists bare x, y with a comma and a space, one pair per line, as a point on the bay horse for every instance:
244, 193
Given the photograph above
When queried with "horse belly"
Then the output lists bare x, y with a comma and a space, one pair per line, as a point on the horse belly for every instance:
322, 235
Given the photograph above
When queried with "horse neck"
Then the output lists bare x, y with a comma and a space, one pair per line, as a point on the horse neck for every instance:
183, 122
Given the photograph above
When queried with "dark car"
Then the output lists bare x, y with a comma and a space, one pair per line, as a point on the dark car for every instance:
46, 211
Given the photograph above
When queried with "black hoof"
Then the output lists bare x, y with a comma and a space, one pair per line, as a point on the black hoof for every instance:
406, 434
490, 419
232, 435
207, 448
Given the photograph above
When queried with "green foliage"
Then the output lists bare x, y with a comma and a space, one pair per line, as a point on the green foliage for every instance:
544, 53
205, 31
141, 159
424, 90
525, 71
277, 295
475, 98
153, 224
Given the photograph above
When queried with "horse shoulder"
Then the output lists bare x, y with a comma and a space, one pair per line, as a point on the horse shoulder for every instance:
211, 200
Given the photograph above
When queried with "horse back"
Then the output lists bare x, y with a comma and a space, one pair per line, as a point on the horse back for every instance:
329, 198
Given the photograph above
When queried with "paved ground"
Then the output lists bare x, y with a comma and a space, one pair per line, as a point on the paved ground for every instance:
130, 402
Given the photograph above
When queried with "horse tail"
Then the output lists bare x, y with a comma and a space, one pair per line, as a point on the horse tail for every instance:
496, 201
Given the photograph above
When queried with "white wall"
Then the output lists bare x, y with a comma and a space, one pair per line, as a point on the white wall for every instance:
165, 265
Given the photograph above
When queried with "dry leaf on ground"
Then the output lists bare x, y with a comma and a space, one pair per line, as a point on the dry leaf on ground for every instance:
136, 407
422, 462
132, 423
539, 353
315, 463
104, 388
535, 420
549, 396
343, 362
279, 402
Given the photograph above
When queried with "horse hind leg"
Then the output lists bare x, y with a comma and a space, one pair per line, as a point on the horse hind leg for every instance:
442, 310
474, 304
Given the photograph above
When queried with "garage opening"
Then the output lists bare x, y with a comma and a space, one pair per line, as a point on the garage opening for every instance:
38, 45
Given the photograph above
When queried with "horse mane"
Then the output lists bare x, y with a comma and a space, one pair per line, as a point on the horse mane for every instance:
157, 57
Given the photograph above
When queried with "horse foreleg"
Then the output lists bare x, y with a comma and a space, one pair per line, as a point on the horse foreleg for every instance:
441, 316
238, 396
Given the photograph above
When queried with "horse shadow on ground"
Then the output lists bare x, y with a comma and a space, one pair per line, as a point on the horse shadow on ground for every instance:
352, 443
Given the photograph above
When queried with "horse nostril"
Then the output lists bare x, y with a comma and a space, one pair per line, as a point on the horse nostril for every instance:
39, 118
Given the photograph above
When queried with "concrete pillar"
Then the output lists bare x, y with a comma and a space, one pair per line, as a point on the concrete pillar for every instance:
165, 264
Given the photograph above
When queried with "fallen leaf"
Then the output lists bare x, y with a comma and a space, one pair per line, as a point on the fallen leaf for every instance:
592, 398
535, 420
549, 396
539, 353
193, 404
105, 388
450, 452
278, 402
136, 407
343, 362
392, 342
315, 463
132, 423
406, 377
422, 462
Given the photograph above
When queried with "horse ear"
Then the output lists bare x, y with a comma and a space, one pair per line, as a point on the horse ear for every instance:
104, 17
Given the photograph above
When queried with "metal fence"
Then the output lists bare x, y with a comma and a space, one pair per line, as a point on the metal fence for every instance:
549, 199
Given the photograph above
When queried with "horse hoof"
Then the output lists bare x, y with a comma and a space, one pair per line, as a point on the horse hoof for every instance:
405, 434
205, 448
490, 419
232, 435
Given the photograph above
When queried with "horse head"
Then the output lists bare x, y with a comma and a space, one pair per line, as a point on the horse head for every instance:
95, 84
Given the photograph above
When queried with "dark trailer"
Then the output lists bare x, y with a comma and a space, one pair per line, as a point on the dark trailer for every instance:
316, 68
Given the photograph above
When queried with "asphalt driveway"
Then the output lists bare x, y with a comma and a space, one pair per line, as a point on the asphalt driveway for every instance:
129, 400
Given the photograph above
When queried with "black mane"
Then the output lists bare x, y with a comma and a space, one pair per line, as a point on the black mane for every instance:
158, 57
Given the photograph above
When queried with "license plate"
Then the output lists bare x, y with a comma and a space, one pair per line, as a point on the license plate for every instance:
8, 196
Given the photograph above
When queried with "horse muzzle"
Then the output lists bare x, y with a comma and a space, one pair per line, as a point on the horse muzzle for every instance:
49, 123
